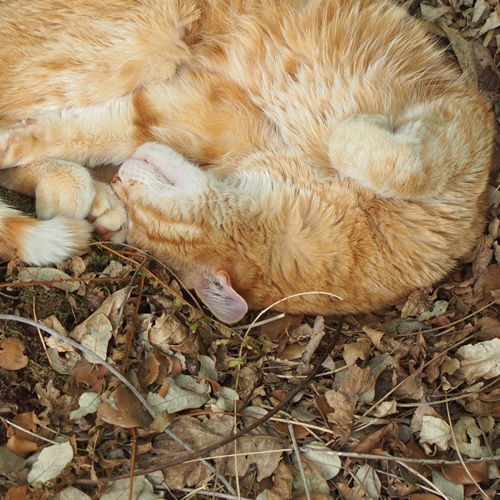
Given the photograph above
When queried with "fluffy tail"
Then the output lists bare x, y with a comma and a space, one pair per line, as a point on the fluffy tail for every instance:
38, 242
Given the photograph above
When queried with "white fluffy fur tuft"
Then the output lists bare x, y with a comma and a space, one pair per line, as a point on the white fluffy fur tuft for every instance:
55, 240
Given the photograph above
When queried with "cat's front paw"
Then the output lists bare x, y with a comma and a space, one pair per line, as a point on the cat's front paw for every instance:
64, 189
108, 214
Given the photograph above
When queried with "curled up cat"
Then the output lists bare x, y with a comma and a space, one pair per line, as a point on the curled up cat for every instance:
269, 148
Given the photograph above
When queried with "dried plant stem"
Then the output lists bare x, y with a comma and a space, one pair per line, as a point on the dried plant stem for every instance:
299, 462
12, 424
127, 294
213, 494
423, 461
431, 485
259, 323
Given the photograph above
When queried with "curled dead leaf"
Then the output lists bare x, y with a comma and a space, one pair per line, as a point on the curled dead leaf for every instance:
12, 354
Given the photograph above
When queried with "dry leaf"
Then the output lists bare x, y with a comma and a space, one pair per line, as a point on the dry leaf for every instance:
12, 354
435, 431
491, 23
355, 493
59, 345
109, 308
457, 474
122, 409
430, 13
184, 392
253, 449
315, 480
418, 415
89, 403
356, 350
99, 332
481, 360
50, 463
282, 484
464, 54
48, 274
450, 490
10, 462
468, 438
372, 441
142, 489
328, 464
369, 480
71, 493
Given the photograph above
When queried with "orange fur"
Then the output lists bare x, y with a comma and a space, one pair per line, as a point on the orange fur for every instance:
326, 145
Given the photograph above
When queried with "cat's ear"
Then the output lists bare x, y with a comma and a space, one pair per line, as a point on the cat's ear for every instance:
217, 293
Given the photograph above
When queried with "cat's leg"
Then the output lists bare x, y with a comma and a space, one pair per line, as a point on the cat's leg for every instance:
104, 133
66, 189
415, 156
40, 242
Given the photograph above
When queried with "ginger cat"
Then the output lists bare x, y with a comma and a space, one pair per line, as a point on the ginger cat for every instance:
271, 147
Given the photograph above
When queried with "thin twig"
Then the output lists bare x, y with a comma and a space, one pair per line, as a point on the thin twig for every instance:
305, 480
127, 294
424, 461
214, 494
259, 323
12, 424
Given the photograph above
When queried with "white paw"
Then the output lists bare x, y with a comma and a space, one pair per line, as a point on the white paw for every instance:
65, 189
108, 214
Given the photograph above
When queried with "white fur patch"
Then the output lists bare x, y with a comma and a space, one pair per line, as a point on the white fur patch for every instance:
55, 240
152, 158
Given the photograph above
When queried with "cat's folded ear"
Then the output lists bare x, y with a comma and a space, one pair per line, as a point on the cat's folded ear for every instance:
220, 297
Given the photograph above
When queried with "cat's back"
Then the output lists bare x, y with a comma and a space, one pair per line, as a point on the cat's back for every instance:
309, 65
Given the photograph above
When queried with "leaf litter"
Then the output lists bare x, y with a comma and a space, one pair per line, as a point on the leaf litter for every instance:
406, 405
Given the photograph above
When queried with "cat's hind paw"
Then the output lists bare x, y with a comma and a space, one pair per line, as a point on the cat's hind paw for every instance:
389, 162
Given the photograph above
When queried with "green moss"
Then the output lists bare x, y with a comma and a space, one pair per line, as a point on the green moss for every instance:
52, 301
20, 201
98, 260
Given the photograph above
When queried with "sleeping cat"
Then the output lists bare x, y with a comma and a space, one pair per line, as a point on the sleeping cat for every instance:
271, 148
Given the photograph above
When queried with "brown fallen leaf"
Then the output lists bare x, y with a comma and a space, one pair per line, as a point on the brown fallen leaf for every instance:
370, 442
21, 447
12, 356
458, 475
356, 350
19, 493
355, 493
91, 375
253, 450
282, 483
123, 410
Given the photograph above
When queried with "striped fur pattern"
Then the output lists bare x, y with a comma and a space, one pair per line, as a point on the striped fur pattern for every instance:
271, 147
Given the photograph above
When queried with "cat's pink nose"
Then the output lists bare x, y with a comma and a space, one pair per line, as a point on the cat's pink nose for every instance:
116, 179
